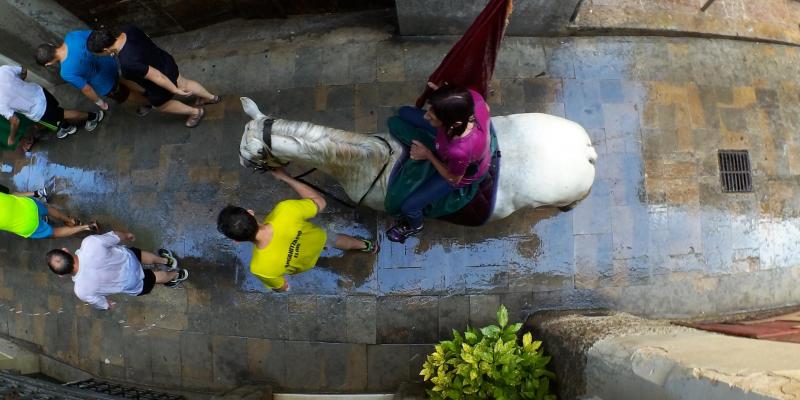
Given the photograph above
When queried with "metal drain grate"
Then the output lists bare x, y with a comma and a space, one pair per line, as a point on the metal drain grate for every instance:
734, 171
125, 392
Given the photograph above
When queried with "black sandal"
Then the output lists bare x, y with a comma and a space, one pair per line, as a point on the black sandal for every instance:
199, 102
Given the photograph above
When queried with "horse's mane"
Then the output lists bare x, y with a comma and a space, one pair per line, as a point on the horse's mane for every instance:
330, 145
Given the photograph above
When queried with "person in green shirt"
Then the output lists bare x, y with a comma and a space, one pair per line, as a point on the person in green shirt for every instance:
286, 242
27, 217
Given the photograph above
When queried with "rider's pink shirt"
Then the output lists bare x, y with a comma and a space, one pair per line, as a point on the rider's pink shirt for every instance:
459, 152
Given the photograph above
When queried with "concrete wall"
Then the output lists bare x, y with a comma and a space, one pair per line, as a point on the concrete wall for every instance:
622, 357
452, 17
26, 25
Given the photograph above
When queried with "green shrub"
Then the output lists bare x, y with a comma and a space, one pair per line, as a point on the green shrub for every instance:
489, 364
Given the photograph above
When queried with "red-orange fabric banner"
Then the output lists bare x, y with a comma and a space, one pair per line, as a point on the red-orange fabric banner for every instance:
470, 63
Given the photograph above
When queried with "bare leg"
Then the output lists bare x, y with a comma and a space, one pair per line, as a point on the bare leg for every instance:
57, 214
149, 258
194, 87
176, 107
163, 276
138, 98
23, 194
75, 116
347, 242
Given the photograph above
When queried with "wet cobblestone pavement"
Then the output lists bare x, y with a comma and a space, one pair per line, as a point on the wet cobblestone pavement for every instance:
656, 237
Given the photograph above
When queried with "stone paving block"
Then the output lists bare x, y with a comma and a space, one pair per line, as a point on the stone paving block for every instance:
138, 364
165, 352
361, 319
387, 365
582, 102
483, 309
390, 63
228, 358
629, 237
591, 217
513, 92
519, 305
111, 348
412, 319
304, 370
332, 318
416, 358
306, 66
560, 58
453, 314
519, 58
267, 360
344, 366
593, 260
196, 358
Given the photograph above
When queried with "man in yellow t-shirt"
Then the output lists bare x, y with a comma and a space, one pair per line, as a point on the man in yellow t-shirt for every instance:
286, 242
25, 216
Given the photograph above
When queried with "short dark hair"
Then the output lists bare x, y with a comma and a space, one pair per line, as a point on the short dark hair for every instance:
45, 53
101, 39
60, 262
452, 104
237, 224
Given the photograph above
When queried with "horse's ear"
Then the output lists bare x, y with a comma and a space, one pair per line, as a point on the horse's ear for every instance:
251, 109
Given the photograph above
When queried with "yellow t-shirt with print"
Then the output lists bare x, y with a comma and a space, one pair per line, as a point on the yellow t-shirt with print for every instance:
295, 246
18, 215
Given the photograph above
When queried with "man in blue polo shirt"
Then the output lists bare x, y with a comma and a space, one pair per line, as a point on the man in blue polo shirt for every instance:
93, 75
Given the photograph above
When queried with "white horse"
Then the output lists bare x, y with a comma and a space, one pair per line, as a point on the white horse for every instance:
546, 161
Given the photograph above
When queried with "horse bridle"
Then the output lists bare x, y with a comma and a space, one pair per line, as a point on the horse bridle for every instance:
271, 162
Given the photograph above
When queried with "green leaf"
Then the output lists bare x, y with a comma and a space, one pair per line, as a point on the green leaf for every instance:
449, 345
526, 339
513, 328
470, 337
502, 316
492, 331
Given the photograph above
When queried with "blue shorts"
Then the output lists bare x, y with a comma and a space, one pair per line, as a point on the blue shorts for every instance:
44, 230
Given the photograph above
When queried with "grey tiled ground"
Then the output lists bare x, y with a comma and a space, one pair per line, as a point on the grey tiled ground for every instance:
656, 237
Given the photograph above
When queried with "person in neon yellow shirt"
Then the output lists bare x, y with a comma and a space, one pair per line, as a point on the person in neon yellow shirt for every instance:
25, 216
286, 243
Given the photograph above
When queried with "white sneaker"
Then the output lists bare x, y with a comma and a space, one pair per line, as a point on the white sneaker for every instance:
92, 124
41, 194
66, 131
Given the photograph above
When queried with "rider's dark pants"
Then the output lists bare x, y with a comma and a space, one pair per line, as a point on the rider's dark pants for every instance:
435, 188
416, 117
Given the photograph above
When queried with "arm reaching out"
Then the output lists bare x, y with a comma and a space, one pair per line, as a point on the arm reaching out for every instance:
157, 77
305, 191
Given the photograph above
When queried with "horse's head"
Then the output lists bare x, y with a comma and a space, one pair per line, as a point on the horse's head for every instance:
255, 151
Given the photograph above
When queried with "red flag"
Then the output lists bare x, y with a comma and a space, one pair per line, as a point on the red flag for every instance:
470, 63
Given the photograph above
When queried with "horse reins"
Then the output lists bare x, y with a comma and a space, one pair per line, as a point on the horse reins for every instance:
266, 152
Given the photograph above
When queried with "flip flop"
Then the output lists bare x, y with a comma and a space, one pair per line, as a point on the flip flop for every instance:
194, 120
199, 102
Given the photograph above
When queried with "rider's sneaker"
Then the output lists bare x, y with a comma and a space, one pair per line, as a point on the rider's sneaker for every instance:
183, 274
402, 231
172, 261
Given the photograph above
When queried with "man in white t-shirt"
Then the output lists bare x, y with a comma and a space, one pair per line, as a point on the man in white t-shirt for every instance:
103, 267
39, 105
